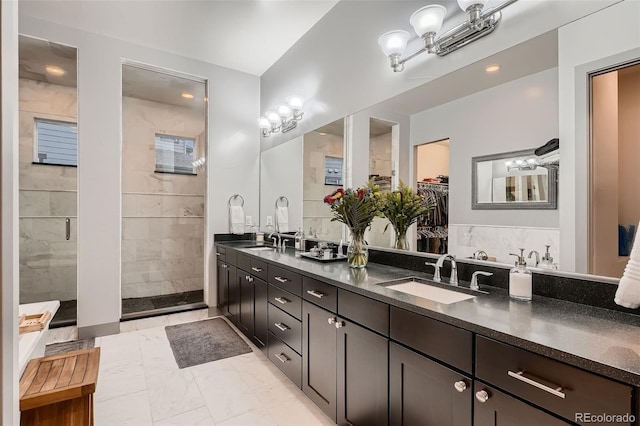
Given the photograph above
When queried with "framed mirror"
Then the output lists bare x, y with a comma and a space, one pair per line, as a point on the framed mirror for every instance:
513, 181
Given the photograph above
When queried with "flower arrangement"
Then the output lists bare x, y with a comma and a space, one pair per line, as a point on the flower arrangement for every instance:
356, 208
402, 208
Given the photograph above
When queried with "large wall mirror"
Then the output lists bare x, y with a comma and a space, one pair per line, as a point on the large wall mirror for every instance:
471, 113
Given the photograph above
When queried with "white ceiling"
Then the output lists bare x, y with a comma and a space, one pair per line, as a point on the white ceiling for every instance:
35, 55
245, 35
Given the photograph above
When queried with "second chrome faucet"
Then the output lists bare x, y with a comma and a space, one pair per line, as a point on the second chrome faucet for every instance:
453, 280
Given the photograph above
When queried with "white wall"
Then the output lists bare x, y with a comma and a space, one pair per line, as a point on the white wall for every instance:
339, 68
9, 414
521, 114
579, 53
233, 160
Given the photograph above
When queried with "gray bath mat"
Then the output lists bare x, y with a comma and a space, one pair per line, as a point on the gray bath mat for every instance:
204, 341
70, 346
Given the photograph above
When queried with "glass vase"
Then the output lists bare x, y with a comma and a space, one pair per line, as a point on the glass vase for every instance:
402, 243
357, 252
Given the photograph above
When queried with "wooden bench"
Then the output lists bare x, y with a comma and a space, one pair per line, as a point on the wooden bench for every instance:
58, 390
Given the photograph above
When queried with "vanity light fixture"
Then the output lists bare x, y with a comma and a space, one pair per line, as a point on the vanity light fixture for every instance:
283, 119
426, 23
522, 164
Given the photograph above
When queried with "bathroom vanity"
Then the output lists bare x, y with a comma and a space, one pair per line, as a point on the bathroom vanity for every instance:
367, 354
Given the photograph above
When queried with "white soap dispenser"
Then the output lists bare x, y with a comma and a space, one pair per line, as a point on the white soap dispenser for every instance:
520, 287
299, 238
547, 261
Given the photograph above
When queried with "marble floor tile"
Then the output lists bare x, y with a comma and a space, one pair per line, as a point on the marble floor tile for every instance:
252, 418
131, 409
119, 378
144, 323
172, 393
118, 347
197, 417
190, 316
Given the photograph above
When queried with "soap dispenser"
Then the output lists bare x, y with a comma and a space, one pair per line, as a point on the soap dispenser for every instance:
520, 287
299, 240
547, 261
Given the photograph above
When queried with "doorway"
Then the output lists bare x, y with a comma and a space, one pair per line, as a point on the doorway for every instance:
614, 208
432, 182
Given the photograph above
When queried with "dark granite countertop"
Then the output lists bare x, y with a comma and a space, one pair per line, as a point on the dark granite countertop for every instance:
596, 339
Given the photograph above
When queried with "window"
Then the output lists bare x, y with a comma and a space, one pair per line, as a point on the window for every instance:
56, 142
174, 154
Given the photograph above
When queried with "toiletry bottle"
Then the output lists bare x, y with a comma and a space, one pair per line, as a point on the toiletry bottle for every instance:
520, 287
547, 261
298, 240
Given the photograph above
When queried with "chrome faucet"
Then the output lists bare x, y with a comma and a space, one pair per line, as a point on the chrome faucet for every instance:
537, 256
474, 279
277, 236
453, 280
480, 255
283, 246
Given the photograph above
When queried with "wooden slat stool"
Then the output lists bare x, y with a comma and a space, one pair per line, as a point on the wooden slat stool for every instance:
58, 390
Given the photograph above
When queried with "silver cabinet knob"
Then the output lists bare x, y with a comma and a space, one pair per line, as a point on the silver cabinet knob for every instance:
340, 324
482, 396
460, 386
331, 320
246, 277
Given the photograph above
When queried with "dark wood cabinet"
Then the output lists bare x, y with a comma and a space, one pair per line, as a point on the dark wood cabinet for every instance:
494, 408
363, 378
252, 309
425, 392
233, 293
319, 357
222, 283
344, 368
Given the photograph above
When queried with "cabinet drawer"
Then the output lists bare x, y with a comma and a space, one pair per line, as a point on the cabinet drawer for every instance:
286, 328
320, 293
231, 256
221, 253
289, 362
285, 279
449, 344
286, 301
243, 262
550, 384
259, 269
368, 312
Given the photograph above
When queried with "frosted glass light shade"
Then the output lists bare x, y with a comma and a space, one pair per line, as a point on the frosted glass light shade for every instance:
294, 102
284, 111
428, 19
273, 117
465, 4
263, 123
394, 42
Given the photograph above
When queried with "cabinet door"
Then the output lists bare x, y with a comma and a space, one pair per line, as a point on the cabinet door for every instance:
260, 317
233, 300
362, 376
319, 357
223, 285
423, 392
494, 408
245, 305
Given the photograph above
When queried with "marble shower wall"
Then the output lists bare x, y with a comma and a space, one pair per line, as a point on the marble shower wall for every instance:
315, 213
380, 164
499, 241
162, 213
47, 196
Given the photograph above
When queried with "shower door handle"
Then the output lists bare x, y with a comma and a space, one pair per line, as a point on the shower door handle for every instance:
68, 228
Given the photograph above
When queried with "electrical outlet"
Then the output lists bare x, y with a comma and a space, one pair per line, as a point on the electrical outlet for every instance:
270, 220
248, 221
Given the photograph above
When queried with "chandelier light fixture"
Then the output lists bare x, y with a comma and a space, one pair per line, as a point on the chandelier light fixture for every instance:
426, 23
283, 119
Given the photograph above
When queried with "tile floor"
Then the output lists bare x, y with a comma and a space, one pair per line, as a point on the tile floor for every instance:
140, 384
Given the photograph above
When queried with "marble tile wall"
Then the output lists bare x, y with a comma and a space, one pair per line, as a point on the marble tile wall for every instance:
499, 241
47, 195
162, 213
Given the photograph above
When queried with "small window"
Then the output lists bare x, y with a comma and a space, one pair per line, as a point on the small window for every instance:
332, 170
174, 154
56, 143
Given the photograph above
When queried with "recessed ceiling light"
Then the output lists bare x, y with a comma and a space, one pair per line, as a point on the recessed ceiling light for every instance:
54, 70
323, 134
492, 68
187, 95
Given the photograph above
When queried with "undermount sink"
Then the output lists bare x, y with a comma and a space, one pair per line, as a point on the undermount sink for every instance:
260, 248
429, 292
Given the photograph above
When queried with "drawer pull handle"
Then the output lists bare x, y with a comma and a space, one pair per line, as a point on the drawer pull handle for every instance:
316, 294
282, 358
482, 396
218, 254
282, 280
460, 386
256, 269
520, 376
281, 327
281, 300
